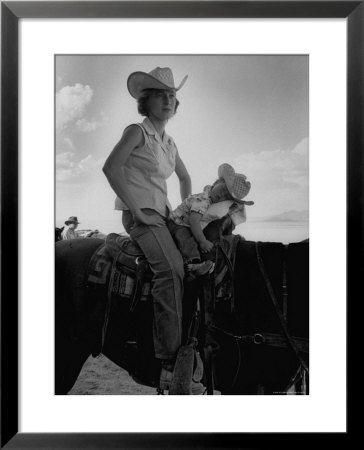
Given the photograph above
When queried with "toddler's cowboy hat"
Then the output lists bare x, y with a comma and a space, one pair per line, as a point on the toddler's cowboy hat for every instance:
158, 78
72, 219
236, 183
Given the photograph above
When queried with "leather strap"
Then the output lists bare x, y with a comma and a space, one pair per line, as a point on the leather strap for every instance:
209, 285
108, 304
209, 375
139, 276
208, 290
277, 309
271, 339
285, 287
231, 273
208, 298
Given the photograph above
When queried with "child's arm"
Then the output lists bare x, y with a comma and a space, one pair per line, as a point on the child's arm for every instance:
195, 219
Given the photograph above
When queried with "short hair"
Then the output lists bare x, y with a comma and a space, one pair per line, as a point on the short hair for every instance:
219, 180
143, 101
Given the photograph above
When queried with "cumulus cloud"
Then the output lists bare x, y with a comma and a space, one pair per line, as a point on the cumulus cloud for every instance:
59, 81
71, 104
279, 178
87, 126
69, 143
68, 168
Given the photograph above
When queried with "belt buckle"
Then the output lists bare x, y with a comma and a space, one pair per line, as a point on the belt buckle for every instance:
258, 338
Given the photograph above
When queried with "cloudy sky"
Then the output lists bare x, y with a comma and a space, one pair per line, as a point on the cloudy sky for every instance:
249, 111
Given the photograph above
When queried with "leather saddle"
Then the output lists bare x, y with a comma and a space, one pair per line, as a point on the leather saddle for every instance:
127, 252
121, 262
120, 267
116, 243
124, 250
129, 265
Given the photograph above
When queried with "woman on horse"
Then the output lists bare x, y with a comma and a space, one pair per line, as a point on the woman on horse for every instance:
137, 170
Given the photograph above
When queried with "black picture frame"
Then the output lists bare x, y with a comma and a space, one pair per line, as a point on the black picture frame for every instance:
11, 12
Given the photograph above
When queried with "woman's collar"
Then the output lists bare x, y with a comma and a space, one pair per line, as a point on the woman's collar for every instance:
148, 124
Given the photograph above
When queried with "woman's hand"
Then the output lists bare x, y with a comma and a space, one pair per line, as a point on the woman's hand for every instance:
141, 218
206, 246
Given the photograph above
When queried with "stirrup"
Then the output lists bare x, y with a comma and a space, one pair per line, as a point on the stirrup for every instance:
202, 268
164, 384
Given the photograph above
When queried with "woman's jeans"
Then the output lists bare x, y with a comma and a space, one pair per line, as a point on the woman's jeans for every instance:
167, 288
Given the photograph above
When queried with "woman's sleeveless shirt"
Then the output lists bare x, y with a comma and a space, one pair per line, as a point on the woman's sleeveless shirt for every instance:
148, 168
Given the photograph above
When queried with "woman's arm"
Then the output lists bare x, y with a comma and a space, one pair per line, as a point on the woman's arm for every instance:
184, 178
114, 165
114, 171
195, 219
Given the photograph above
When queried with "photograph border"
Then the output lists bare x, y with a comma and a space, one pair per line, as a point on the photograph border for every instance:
11, 12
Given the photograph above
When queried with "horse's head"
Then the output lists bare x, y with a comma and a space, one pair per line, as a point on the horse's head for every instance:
58, 233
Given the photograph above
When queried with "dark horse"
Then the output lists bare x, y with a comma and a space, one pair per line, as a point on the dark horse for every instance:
58, 233
241, 366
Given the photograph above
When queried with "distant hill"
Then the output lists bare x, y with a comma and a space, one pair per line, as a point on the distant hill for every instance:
289, 216
99, 234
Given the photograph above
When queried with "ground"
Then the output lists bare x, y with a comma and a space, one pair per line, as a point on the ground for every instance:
100, 376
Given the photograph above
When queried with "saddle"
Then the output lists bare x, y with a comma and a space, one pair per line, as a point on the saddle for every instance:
131, 274
121, 264
120, 267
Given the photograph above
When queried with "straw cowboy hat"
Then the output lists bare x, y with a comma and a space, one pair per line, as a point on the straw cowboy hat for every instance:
158, 78
72, 219
236, 183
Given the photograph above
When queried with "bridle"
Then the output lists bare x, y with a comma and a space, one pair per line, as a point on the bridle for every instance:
296, 344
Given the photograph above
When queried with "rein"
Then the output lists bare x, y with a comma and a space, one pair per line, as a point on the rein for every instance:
209, 306
281, 317
231, 272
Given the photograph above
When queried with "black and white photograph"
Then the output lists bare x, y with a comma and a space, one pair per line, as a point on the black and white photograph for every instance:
181, 224
181, 201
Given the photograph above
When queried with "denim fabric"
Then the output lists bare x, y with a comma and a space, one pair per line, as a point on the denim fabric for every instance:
184, 240
167, 266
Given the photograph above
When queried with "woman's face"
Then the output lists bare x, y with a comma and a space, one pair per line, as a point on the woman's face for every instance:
162, 104
220, 192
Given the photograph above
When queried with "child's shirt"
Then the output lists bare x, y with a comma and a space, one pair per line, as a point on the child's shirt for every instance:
199, 203
202, 204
